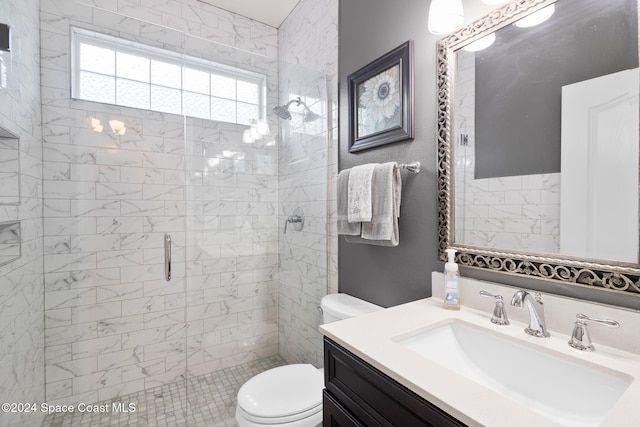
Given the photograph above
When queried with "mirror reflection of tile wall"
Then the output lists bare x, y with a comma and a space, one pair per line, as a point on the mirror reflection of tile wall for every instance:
515, 212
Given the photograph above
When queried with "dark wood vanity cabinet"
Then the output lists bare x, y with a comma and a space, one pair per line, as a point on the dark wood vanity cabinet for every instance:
357, 394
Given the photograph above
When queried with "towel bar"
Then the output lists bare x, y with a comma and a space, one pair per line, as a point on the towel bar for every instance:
413, 167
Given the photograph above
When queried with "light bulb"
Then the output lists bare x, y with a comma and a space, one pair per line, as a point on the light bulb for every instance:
254, 132
247, 138
263, 127
536, 18
481, 43
117, 127
96, 125
445, 16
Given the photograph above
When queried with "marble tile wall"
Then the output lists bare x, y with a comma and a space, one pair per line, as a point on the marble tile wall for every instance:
21, 281
308, 46
113, 324
232, 247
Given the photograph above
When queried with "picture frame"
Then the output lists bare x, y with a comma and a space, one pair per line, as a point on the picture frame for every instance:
381, 101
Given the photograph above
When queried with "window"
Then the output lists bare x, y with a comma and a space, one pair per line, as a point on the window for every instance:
116, 71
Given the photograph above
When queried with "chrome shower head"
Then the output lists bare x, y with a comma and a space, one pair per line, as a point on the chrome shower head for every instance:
282, 111
310, 116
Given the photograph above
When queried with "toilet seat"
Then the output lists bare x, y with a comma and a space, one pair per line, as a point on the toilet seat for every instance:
289, 419
282, 395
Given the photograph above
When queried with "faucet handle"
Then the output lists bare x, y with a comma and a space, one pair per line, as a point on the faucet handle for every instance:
499, 313
580, 338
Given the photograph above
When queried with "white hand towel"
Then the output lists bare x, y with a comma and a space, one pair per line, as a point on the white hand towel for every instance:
344, 226
359, 194
386, 192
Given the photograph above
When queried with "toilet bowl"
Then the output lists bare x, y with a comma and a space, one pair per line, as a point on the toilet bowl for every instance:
291, 395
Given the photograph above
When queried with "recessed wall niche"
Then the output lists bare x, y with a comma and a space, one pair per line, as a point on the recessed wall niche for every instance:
9, 168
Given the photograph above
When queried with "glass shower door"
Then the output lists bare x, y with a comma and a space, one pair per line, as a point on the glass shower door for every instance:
114, 186
232, 230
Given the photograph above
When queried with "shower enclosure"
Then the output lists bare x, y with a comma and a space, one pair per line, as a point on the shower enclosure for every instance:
117, 181
114, 323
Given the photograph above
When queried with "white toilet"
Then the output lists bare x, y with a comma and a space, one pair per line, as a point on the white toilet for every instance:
291, 395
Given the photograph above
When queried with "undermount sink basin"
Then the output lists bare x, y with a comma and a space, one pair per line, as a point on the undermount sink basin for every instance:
564, 389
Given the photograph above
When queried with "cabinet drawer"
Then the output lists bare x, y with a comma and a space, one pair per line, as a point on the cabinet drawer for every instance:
334, 415
374, 398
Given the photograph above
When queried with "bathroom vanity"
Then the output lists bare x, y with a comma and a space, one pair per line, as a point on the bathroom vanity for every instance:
418, 364
357, 394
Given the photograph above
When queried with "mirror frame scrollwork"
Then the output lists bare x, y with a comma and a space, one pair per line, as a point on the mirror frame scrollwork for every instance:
593, 273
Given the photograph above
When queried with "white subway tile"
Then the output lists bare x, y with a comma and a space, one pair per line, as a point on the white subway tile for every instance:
97, 242
119, 224
94, 312
96, 381
95, 347
108, 259
94, 208
69, 262
71, 369
69, 190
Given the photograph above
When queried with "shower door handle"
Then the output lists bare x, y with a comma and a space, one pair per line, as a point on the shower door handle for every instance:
167, 257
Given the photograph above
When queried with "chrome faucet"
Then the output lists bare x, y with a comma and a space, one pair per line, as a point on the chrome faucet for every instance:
537, 326
499, 313
580, 338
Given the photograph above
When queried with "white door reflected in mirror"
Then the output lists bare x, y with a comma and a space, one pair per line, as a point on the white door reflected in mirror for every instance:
599, 179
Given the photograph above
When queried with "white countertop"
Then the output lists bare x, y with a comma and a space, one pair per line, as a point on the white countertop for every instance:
370, 337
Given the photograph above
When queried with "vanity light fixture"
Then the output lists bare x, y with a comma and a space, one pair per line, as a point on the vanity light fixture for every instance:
263, 127
536, 18
257, 130
96, 125
247, 137
445, 16
481, 43
117, 127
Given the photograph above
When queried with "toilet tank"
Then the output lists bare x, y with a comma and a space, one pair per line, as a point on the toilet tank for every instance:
342, 306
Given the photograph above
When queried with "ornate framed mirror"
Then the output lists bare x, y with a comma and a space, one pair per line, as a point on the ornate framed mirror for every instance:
538, 140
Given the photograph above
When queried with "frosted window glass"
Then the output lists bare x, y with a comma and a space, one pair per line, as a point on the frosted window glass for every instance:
196, 81
223, 110
247, 92
96, 87
97, 59
132, 67
132, 94
165, 100
246, 113
196, 105
166, 74
122, 72
223, 87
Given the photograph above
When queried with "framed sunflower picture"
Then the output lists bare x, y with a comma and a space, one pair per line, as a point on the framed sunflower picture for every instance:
381, 100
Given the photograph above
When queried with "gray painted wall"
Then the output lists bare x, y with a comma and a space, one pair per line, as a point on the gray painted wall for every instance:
368, 30
524, 71
391, 276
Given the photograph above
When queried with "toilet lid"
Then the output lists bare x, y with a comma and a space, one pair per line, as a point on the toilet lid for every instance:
282, 391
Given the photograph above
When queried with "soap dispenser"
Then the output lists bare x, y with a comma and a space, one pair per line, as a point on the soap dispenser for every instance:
451, 282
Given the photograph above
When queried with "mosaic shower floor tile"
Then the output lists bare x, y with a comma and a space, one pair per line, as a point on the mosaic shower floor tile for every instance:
207, 400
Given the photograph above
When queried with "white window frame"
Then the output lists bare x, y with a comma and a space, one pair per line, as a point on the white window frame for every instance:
79, 35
